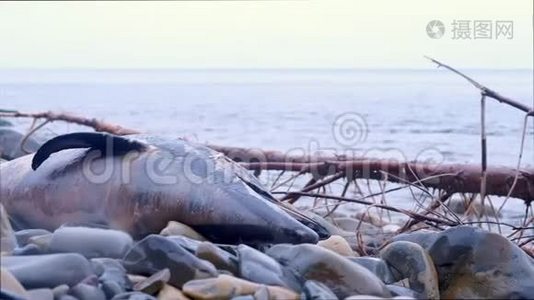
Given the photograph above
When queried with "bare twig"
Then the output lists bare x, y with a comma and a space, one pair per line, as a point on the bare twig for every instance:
66, 117
485, 90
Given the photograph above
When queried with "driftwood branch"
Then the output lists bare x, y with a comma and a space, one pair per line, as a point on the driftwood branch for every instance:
97, 125
452, 178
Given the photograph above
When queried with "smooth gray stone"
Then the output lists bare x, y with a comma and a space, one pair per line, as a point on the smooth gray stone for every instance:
111, 289
60, 290
23, 236
29, 249
8, 242
404, 292
262, 293
221, 259
41, 294
48, 271
153, 284
133, 296
156, 252
314, 290
410, 261
424, 238
376, 265
10, 140
342, 276
6, 123
112, 275
185, 242
67, 297
110, 269
84, 291
245, 297
258, 267
91, 242
474, 263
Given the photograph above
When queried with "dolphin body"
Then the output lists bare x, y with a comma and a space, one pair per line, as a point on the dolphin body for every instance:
138, 183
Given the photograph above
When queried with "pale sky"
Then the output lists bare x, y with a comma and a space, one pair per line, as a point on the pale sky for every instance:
257, 34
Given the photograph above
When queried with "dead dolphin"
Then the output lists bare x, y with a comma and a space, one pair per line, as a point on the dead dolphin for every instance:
139, 183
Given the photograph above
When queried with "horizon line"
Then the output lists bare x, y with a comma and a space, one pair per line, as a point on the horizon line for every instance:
257, 69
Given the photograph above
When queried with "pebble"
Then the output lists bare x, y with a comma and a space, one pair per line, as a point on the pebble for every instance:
337, 244
399, 291
377, 266
60, 291
23, 236
49, 270
474, 263
133, 296
314, 290
221, 259
90, 242
409, 260
112, 275
245, 297
153, 284
260, 268
188, 244
425, 238
227, 287
41, 241
8, 242
84, 291
6, 123
168, 292
10, 141
156, 252
338, 273
262, 293
9, 283
177, 228
42, 294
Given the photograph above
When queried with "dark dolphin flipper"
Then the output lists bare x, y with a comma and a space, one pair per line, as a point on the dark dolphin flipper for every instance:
94, 140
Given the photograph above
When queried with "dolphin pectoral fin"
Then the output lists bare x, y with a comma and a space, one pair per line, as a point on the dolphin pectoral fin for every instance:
101, 141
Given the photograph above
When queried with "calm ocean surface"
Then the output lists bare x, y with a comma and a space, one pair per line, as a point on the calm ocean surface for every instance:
408, 114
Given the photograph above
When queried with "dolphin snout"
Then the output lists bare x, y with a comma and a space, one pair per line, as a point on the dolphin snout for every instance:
301, 234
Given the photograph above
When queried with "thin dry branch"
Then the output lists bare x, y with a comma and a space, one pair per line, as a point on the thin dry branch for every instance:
411, 214
485, 90
97, 125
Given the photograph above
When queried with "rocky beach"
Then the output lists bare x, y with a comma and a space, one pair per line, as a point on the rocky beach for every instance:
76, 262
